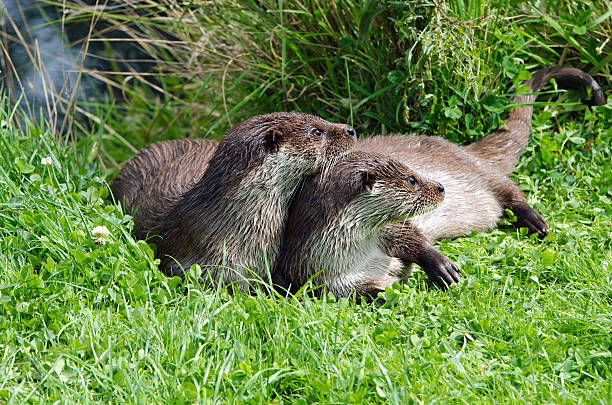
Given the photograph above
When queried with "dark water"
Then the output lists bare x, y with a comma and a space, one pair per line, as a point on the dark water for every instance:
40, 60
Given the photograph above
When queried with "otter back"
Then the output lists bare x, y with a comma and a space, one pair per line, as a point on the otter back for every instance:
475, 176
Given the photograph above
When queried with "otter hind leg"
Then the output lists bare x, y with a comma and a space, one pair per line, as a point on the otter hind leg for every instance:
371, 286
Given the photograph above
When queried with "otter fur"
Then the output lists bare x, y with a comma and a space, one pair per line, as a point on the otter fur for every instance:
153, 180
338, 225
477, 192
227, 212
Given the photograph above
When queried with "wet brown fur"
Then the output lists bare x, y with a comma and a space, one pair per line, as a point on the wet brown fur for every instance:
477, 193
337, 226
157, 176
224, 211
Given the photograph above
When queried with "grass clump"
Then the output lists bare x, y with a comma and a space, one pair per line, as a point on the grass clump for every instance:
445, 68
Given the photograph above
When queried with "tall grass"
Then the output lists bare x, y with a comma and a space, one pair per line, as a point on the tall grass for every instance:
399, 66
383, 66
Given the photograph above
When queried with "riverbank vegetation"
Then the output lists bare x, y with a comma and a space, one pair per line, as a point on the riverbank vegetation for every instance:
84, 319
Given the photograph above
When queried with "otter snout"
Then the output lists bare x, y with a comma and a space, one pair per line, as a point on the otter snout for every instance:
339, 139
351, 132
440, 188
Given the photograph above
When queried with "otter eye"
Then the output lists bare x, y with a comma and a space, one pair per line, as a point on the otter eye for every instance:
316, 132
412, 180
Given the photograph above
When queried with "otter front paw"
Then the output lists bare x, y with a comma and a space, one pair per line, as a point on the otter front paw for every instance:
439, 268
527, 217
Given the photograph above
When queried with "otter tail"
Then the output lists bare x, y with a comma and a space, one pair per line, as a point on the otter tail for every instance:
503, 148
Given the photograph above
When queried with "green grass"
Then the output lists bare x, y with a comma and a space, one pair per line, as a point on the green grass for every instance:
531, 321
445, 68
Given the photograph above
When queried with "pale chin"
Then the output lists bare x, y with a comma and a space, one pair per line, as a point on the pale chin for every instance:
425, 210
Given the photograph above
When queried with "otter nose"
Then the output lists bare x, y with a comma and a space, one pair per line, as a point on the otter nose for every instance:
440, 188
351, 131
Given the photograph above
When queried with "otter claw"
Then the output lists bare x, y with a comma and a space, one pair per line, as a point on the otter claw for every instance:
439, 269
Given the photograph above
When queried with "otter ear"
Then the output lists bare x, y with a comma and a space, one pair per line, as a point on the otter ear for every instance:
272, 138
367, 180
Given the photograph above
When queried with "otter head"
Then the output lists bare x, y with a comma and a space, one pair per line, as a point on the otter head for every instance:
302, 143
381, 190
308, 138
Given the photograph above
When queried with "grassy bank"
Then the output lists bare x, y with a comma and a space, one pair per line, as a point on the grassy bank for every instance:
531, 322
81, 322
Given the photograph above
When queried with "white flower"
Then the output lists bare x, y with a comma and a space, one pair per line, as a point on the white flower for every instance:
100, 231
46, 161
3, 123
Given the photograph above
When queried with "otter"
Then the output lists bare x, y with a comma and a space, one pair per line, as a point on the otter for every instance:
478, 190
338, 224
226, 212
153, 180
477, 193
